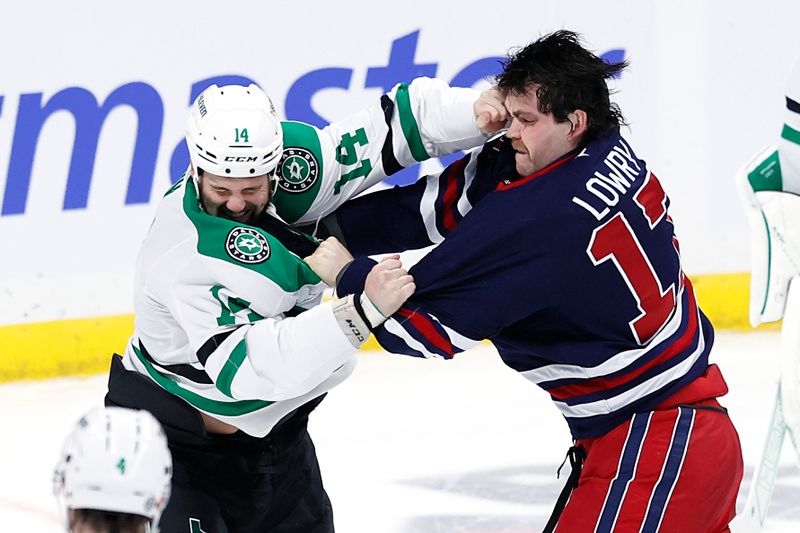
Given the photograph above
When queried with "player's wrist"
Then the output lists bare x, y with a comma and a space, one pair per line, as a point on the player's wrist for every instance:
352, 322
353, 277
371, 313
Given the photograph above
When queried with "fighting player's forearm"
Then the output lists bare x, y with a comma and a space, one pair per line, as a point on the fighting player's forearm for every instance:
444, 115
275, 360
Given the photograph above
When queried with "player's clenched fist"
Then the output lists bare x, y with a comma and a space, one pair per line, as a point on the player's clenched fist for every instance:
329, 259
389, 285
490, 112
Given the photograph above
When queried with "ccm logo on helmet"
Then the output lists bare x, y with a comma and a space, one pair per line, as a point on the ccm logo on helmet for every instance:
241, 158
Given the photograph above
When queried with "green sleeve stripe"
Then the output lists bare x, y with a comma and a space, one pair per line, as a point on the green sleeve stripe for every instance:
790, 134
409, 124
237, 408
228, 372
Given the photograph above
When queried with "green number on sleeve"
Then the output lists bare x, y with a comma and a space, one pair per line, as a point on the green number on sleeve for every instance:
346, 155
346, 151
363, 170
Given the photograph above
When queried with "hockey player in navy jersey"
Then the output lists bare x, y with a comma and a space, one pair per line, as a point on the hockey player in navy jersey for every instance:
555, 242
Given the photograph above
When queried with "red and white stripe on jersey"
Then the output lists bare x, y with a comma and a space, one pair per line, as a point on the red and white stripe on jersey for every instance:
444, 202
679, 338
424, 334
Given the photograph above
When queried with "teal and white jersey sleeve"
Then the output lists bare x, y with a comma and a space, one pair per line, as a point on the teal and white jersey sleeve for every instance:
321, 169
221, 318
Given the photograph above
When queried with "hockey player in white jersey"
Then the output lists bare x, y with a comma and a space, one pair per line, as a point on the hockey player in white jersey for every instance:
232, 348
770, 188
789, 142
113, 473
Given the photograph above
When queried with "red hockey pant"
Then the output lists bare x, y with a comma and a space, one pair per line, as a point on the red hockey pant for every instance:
674, 471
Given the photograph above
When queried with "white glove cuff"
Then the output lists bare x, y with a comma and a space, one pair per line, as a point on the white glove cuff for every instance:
350, 321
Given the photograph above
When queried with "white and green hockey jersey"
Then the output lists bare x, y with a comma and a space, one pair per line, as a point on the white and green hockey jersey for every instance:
230, 320
321, 169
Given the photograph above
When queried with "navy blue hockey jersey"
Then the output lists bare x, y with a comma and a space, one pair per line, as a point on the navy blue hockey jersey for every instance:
573, 273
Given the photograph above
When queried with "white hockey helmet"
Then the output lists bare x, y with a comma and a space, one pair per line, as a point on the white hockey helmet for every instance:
115, 460
233, 131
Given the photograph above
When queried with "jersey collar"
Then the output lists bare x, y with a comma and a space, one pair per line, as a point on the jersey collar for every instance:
508, 184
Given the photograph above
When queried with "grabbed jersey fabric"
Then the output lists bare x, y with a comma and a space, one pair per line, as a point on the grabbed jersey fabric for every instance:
573, 273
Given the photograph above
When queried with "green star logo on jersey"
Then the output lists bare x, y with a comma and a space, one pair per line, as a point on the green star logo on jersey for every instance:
298, 170
247, 245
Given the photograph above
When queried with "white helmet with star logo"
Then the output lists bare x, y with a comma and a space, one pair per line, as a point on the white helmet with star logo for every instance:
233, 132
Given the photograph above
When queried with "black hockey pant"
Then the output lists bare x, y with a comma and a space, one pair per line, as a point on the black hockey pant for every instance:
231, 483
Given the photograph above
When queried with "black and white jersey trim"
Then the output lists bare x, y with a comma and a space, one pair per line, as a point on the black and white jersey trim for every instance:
390, 162
186, 371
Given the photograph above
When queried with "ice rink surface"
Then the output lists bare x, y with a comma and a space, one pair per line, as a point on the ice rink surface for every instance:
411, 446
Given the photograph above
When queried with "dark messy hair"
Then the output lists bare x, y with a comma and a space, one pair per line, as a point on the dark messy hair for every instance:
567, 77
113, 522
